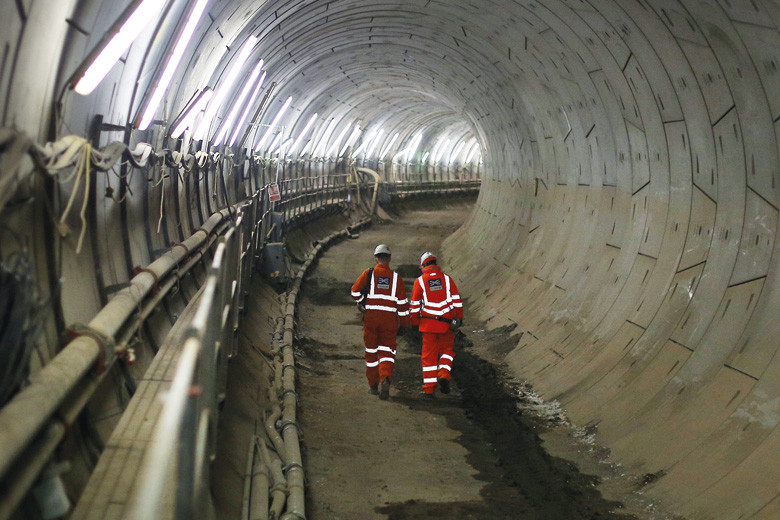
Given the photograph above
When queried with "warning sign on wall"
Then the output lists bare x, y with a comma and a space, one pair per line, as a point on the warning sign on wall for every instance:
273, 193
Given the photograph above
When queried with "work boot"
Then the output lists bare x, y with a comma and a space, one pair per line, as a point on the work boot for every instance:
373, 390
444, 385
384, 393
428, 396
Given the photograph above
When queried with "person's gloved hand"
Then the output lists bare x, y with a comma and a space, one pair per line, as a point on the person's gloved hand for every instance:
455, 324
361, 307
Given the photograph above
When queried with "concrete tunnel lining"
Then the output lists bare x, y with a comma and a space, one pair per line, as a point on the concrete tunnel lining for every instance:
629, 202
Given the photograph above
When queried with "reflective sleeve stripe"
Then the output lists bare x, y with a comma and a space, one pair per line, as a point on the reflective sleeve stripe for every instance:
402, 302
429, 380
456, 304
415, 302
403, 313
386, 360
380, 308
356, 294
446, 356
373, 364
370, 350
429, 368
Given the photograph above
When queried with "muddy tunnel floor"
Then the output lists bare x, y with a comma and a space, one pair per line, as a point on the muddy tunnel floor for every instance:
473, 454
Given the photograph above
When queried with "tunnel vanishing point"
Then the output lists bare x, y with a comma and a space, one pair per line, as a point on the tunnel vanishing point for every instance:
625, 227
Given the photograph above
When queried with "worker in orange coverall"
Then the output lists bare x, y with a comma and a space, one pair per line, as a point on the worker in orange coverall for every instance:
381, 297
437, 308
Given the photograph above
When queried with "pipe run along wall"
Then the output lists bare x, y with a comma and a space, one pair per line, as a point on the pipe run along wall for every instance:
628, 212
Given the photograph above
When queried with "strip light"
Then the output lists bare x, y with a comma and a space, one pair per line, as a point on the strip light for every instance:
456, 151
124, 34
337, 142
306, 148
224, 89
300, 137
367, 141
248, 108
228, 122
273, 124
173, 62
323, 142
352, 137
413, 147
441, 149
387, 148
186, 120
277, 140
374, 143
424, 157
474, 150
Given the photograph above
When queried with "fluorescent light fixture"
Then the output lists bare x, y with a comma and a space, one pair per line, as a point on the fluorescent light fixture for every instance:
413, 146
283, 147
306, 128
228, 122
441, 149
387, 147
352, 136
273, 124
224, 89
188, 118
473, 151
405, 151
468, 148
248, 108
335, 145
276, 141
134, 19
456, 151
323, 142
306, 148
367, 141
424, 157
435, 151
173, 62
374, 143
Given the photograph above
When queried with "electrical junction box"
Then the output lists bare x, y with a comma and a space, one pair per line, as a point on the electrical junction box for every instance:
274, 263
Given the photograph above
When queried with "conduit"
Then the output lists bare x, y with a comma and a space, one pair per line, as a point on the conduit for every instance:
27, 413
287, 444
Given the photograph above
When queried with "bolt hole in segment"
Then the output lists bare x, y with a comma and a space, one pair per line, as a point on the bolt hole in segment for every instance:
472, 453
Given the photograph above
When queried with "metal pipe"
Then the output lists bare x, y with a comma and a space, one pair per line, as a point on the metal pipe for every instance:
258, 506
377, 180
26, 414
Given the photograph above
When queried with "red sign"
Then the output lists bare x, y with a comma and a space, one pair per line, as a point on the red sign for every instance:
273, 193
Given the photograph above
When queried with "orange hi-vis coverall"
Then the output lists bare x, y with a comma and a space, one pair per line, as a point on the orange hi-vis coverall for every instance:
386, 308
435, 303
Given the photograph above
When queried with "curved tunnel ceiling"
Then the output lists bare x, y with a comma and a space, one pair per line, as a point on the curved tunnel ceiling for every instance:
629, 203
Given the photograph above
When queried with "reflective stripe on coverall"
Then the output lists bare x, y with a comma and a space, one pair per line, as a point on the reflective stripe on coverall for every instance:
435, 297
386, 308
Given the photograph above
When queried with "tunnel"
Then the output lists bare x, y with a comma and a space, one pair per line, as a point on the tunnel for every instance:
624, 231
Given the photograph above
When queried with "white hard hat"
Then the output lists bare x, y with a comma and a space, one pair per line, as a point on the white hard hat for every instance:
381, 249
426, 256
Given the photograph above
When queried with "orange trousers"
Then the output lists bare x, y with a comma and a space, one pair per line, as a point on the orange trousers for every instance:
380, 330
437, 357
